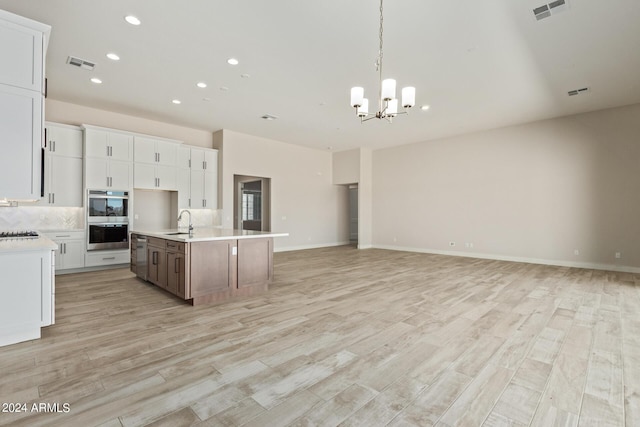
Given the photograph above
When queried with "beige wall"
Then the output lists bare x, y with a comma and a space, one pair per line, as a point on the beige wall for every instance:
534, 192
346, 167
304, 201
73, 114
365, 200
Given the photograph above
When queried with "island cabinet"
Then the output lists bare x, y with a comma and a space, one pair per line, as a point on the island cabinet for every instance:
156, 262
176, 272
211, 270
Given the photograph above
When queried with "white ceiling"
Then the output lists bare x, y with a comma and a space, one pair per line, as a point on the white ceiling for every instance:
478, 64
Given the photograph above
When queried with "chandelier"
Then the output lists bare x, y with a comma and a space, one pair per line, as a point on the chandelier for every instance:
387, 101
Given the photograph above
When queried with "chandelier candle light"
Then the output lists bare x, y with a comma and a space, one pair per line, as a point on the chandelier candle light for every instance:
388, 103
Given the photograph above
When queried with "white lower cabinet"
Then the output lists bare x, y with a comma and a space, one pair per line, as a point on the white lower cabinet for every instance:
71, 249
98, 258
26, 302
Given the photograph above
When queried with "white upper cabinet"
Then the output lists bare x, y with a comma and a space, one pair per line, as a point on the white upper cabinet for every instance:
20, 143
104, 144
63, 140
62, 166
155, 163
108, 159
22, 48
199, 188
155, 151
184, 157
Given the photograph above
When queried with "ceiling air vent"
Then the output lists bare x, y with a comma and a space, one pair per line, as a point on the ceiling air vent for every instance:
546, 10
578, 91
269, 117
87, 65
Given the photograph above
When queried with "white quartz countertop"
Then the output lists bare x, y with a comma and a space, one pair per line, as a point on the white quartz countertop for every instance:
35, 244
207, 234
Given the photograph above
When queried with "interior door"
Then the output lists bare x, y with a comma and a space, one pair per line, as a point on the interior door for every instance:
251, 217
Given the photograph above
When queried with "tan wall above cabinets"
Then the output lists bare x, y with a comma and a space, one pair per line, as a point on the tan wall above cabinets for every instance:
73, 114
22, 48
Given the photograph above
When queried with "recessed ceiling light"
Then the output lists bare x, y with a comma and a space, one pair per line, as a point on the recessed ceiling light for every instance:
96, 80
201, 85
424, 107
232, 61
269, 117
177, 101
113, 57
245, 76
224, 89
132, 20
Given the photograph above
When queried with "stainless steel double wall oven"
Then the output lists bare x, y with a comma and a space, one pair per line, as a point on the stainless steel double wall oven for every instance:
108, 220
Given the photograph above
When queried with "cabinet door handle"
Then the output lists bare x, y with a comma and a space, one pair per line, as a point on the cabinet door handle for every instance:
177, 265
53, 146
65, 248
158, 157
204, 203
107, 151
53, 198
204, 165
108, 258
62, 235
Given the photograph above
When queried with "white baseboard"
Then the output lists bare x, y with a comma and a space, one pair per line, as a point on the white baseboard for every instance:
316, 246
587, 265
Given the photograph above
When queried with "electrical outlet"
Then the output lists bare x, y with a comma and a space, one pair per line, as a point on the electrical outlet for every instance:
471, 245
395, 239
618, 255
136, 216
576, 251
452, 243
284, 217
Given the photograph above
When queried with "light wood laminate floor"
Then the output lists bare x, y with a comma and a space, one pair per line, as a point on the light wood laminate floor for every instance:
344, 337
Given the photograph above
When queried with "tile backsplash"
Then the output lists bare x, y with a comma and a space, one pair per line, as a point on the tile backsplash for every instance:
202, 218
41, 218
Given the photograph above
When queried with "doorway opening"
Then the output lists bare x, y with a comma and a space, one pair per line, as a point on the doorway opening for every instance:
353, 214
252, 203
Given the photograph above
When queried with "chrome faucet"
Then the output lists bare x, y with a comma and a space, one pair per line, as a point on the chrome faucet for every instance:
190, 225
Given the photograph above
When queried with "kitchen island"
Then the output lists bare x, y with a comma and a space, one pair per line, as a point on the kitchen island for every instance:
210, 265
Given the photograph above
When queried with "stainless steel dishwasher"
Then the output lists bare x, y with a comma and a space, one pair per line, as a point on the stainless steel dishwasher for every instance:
141, 257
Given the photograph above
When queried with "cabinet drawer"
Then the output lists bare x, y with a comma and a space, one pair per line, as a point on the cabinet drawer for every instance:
107, 258
65, 235
154, 241
175, 246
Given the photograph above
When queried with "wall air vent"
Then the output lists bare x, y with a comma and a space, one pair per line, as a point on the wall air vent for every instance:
578, 91
546, 10
77, 62
269, 117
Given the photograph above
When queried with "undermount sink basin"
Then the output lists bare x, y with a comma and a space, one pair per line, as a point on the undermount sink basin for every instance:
175, 233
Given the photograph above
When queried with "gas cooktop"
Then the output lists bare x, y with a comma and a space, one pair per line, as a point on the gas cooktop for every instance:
17, 234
